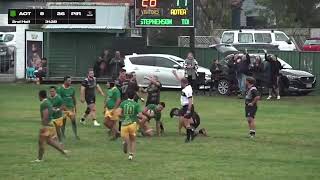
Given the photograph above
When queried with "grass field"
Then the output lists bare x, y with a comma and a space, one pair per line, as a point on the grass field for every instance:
287, 144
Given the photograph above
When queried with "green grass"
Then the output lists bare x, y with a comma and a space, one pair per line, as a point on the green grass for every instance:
287, 144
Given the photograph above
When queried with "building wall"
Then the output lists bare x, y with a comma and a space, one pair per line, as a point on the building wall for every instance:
20, 47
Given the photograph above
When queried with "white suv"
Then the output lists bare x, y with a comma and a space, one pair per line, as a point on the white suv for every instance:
160, 65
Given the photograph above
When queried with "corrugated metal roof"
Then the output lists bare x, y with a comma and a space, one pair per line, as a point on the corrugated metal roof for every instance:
107, 17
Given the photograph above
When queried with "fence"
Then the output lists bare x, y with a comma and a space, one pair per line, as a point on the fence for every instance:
306, 61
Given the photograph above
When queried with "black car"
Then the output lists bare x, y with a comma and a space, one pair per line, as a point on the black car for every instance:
291, 81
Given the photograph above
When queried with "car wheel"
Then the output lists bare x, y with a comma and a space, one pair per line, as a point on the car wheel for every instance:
223, 87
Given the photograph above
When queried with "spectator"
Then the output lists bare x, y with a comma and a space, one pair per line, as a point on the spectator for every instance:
100, 67
232, 70
216, 70
274, 77
244, 72
41, 70
191, 69
116, 64
30, 72
258, 73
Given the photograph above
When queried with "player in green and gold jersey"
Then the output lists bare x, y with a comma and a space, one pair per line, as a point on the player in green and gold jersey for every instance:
112, 110
47, 132
57, 103
149, 112
130, 112
67, 93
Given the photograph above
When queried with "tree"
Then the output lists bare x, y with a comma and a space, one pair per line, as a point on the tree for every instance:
291, 13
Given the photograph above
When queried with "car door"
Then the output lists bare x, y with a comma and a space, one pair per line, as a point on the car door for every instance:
164, 67
143, 66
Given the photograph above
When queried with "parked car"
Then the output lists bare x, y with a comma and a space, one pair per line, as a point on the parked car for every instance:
291, 81
312, 44
160, 65
252, 38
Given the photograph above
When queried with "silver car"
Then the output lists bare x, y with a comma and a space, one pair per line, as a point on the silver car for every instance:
160, 65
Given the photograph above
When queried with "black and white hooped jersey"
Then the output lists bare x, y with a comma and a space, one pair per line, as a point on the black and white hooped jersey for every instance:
186, 93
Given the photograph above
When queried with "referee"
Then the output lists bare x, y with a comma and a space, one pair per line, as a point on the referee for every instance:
187, 110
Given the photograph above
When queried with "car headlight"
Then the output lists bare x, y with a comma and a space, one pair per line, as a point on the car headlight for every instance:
291, 77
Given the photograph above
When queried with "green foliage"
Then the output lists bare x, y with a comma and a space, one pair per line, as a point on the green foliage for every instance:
287, 144
291, 13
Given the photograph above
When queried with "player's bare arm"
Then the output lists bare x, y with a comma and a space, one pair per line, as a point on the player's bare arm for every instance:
82, 94
100, 90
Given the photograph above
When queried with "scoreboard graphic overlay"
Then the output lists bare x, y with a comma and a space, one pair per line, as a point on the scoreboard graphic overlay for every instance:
164, 13
51, 16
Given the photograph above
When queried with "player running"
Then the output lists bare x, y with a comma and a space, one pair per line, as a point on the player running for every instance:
149, 112
57, 103
67, 93
187, 109
88, 94
112, 111
251, 101
47, 132
130, 111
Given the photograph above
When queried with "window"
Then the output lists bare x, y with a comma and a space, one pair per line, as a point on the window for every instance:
8, 38
245, 38
164, 62
281, 37
143, 60
312, 42
228, 38
262, 37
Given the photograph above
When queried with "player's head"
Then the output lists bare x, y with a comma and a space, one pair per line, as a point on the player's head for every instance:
90, 73
184, 82
131, 94
161, 106
110, 84
67, 80
53, 91
250, 81
133, 76
122, 74
42, 94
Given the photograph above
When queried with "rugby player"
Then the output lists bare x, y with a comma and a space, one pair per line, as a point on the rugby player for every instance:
47, 132
149, 112
88, 94
130, 111
251, 105
67, 93
57, 103
112, 111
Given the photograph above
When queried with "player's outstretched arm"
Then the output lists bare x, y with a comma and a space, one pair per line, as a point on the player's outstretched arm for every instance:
174, 72
82, 92
100, 90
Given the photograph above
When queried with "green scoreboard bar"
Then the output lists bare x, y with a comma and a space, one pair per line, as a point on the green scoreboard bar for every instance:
164, 13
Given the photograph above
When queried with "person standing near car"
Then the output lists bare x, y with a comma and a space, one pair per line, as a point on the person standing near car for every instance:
191, 66
216, 70
258, 70
275, 67
116, 64
244, 72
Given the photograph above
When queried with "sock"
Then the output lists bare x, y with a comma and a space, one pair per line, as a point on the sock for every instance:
120, 126
74, 128
189, 132
161, 126
252, 132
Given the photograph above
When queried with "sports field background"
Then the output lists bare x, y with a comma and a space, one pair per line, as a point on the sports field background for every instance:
287, 145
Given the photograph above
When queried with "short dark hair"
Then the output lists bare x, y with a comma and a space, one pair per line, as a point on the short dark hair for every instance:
43, 93
122, 70
163, 104
251, 80
53, 87
66, 78
131, 94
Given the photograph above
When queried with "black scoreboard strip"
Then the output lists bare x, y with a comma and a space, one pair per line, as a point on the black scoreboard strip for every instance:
51, 16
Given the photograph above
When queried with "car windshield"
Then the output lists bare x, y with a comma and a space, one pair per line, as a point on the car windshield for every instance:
312, 42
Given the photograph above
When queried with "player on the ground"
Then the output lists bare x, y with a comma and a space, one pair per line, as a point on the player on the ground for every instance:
251, 100
47, 131
67, 93
88, 94
149, 112
196, 122
57, 105
130, 111
187, 109
112, 110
